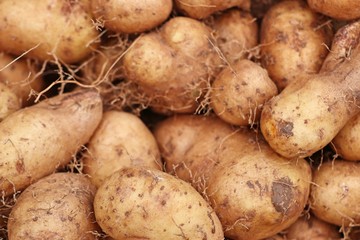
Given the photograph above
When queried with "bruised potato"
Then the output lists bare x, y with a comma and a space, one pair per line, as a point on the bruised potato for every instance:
138, 203
59, 206
120, 140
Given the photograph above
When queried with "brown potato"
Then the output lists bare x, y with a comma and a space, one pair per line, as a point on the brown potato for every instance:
239, 92
293, 41
138, 203
344, 9
120, 140
131, 16
9, 102
59, 206
39, 139
63, 30
335, 194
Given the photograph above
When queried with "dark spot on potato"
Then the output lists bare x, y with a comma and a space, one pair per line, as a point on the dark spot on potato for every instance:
35, 218
162, 188
127, 213
321, 133
20, 167
282, 194
163, 202
285, 128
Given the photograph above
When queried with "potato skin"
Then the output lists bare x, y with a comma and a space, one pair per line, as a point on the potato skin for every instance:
138, 203
39, 139
131, 16
292, 41
121, 139
9, 102
335, 194
59, 206
63, 28
343, 10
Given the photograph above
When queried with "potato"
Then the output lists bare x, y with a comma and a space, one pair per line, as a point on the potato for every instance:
335, 193
21, 77
63, 31
131, 16
239, 92
39, 139
173, 66
299, 122
293, 41
120, 140
59, 206
312, 228
236, 32
9, 102
138, 203
255, 192
200, 9
344, 10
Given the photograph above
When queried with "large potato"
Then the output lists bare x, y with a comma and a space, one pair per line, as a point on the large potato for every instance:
120, 140
59, 206
39, 139
344, 9
60, 29
131, 16
335, 194
138, 203
293, 41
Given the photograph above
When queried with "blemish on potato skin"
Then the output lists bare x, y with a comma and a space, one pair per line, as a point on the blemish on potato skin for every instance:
285, 128
282, 194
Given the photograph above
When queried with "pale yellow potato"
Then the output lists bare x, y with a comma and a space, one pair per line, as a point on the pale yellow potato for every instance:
344, 9
335, 194
239, 92
302, 121
9, 102
43, 137
59, 206
51, 29
120, 140
294, 41
200, 9
139, 203
131, 16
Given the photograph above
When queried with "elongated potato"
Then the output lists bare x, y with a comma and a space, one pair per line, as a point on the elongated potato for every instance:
344, 10
39, 139
335, 194
9, 102
138, 203
120, 140
59, 206
63, 29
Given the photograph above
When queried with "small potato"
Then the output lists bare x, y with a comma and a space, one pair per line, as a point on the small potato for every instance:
131, 16
138, 203
9, 102
293, 41
59, 206
335, 194
239, 92
39, 139
343, 10
58, 29
120, 140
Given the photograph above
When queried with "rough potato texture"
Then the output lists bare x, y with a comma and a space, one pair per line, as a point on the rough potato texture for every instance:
293, 41
137, 203
131, 16
335, 194
120, 140
343, 10
60, 29
59, 206
304, 118
9, 102
239, 92
35, 141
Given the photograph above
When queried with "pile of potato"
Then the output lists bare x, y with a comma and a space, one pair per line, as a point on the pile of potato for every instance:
184, 119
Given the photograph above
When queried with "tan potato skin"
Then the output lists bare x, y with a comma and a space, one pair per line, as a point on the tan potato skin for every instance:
172, 66
200, 9
301, 121
39, 139
239, 92
292, 41
256, 193
131, 16
335, 194
138, 203
9, 102
59, 206
120, 140
63, 29
343, 10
